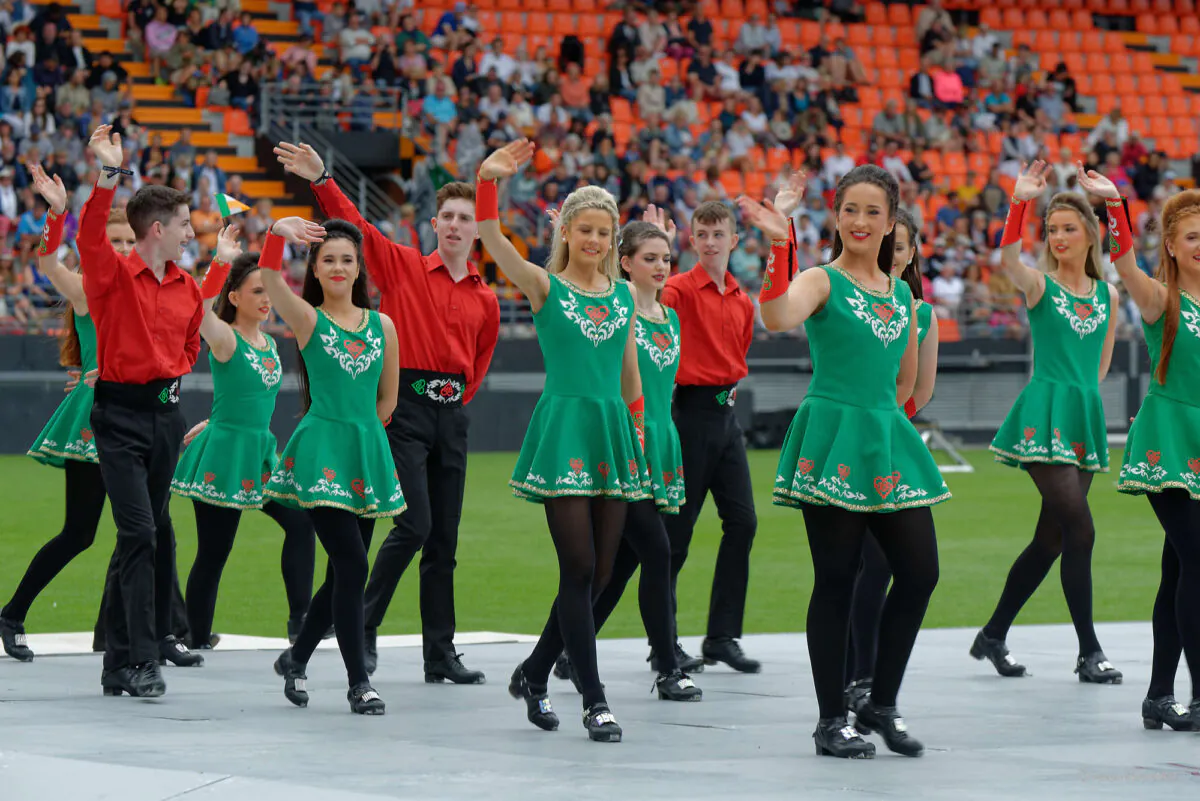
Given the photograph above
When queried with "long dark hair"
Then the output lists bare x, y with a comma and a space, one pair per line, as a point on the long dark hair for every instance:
243, 266
315, 295
1184, 204
877, 176
912, 271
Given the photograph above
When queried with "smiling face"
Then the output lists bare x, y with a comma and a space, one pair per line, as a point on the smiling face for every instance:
714, 241
650, 265
120, 236
903, 252
863, 220
1185, 246
175, 233
589, 237
1066, 236
251, 299
336, 267
456, 227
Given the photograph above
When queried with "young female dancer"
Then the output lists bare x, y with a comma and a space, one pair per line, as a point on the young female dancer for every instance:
337, 465
645, 258
67, 442
1162, 456
852, 461
1056, 429
581, 457
228, 458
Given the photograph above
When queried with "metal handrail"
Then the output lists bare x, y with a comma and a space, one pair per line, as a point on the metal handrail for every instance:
308, 117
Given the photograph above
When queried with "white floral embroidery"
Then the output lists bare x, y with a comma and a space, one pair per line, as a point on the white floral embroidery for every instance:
888, 320
1084, 318
266, 366
597, 323
285, 478
327, 487
663, 354
576, 477
534, 478
202, 489
397, 494
339, 345
1148, 469
1191, 321
252, 496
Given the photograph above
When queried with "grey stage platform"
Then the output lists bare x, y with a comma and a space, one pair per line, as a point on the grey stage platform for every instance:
225, 732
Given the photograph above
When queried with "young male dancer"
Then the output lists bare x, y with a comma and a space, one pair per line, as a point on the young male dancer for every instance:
716, 320
147, 314
448, 321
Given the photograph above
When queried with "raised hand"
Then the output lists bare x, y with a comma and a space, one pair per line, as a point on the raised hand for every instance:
1095, 183
507, 160
659, 219
52, 190
299, 231
791, 194
300, 160
228, 247
553, 215
106, 145
765, 217
1032, 181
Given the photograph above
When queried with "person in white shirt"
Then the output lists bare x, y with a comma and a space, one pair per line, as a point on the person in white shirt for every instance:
653, 34
948, 288
894, 163
1112, 123
728, 80
836, 165
754, 117
496, 59
984, 41
493, 103
356, 42
751, 36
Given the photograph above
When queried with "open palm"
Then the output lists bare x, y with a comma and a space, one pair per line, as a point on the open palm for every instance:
228, 247
660, 220
106, 145
507, 160
790, 195
51, 189
1095, 183
1032, 182
299, 231
765, 217
300, 160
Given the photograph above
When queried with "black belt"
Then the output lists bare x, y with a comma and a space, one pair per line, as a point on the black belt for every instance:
719, 397
160, 396
439, 390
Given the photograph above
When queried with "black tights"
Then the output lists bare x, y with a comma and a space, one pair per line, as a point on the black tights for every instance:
85, 502
645, 542
339, 599
586, 534
835, 538
216, 527
1176, 620
1064, 528
866, 608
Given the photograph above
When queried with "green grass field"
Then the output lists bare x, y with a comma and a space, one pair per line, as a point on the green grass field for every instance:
506, 568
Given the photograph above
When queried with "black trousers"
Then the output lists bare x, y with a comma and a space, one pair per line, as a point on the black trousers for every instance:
170, 612
429, 446
714, 460
138, 440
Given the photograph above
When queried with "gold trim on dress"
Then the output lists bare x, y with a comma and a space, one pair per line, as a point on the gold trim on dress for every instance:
245, 507
1097, 468
45, 453
366, 319
371, 512
266, 336
891, 290
791, 498
612, 287
1065, 288
1155, 488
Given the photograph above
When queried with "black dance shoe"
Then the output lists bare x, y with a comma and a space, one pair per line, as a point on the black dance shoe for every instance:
1096, 669
887, 721
140, 681
171, 649
727, 650
836, 738
294, 679
601, 724
686, 662
373, 652
364, 700
1166, 710
115, 682
996, 652
12, 635
294, 625
452, 669
562, 667
677, 686
537, 704
857, 693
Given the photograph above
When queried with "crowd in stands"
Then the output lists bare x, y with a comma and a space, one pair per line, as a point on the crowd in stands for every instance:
663, 107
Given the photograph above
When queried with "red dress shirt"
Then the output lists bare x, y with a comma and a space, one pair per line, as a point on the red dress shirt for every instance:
145, 330
715, 329
443, 325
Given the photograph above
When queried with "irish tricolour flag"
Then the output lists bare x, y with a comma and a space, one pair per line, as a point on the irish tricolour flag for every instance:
229, 206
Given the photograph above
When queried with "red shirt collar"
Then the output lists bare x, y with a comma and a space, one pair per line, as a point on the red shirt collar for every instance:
434, 260
703, 278
171, 273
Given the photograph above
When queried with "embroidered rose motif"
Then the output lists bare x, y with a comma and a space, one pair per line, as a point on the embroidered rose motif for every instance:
354, 347
269, 364
603, 469
844, 471
662, 340
668, 476
447, 391
1153, 456
210, 478
266, 477
885, 484
633, 467
1083, 310
1080, 450
1194, 465
597, 314
289, 463
884, 311
329, 474
85, 434
576, 466
359, 487
805, 466
247, 484
1029, 432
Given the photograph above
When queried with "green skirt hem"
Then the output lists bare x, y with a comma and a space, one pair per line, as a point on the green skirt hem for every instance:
794, 500
1009, 459
372, 512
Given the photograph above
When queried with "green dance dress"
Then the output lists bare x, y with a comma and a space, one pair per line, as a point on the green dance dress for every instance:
850, 444
68, 432
581, 440
658, 361
230, 461
1059, 418
1163, 449
339, 455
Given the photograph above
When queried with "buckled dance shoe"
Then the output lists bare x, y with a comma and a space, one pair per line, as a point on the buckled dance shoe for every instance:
364, 700
996, 652
452, 669
601, 724
836, 738
1096, 669
16, 645
538, 708
857, 693
887, 721
1166, 710
677, 686
294, 679
139, 681
687, 663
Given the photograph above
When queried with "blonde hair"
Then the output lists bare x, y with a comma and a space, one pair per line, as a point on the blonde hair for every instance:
1069, 201
585, 198
1183, 205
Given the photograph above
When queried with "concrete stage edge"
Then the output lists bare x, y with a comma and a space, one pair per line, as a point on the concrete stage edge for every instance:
225, 732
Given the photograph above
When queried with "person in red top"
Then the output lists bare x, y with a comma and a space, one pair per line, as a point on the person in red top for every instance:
147, 314
448, 321
716, 322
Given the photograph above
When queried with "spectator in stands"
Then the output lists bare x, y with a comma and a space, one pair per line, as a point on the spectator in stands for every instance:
206, 222
410, 32
889, 124
948, 86
243, 88
218, 34
355, 43
449, 33
106, 65
752, 36
307, 12
652, 33
845, 71
920, 86
160, 37
679, 44
496, 59
335, 22
931, 13
700, 29
438, 108
1111, 123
